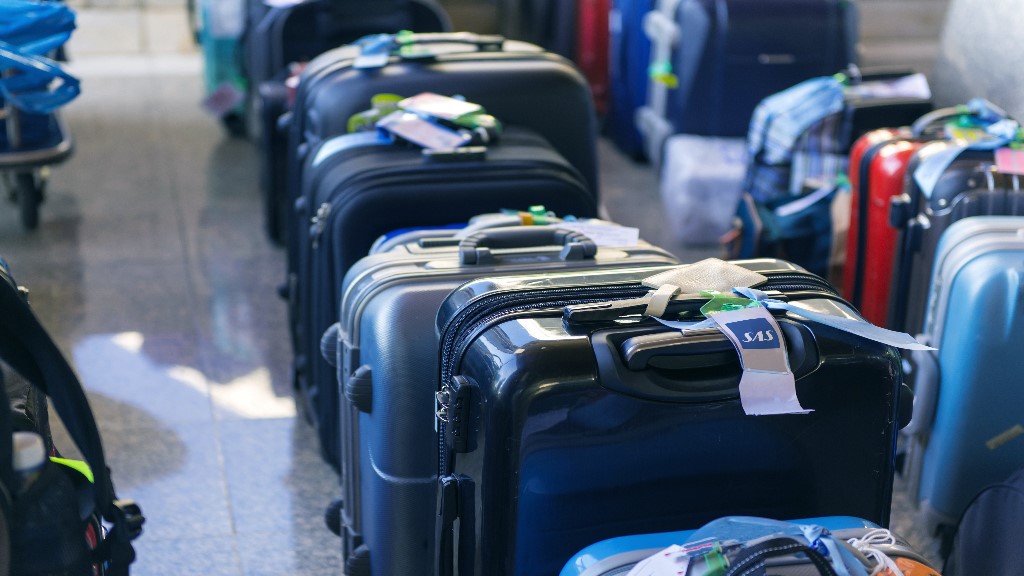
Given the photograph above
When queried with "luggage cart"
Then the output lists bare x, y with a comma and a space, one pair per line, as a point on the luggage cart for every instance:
29, 145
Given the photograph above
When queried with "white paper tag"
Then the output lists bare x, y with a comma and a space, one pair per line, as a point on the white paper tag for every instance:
671, 561
910, 86
767, 385
605, 235
373, 60
419, 131
430, 104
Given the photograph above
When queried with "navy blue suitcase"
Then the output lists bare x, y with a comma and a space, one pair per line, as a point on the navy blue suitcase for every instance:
561, 427
360, 190
728, 55
628, 62
298, 33
516, 82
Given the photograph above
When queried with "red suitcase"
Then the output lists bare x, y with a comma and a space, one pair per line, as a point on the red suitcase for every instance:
592, 48
878, 164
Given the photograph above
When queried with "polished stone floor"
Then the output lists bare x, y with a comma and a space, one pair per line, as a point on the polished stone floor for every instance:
151, 270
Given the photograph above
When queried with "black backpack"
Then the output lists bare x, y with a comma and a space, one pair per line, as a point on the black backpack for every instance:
53, 526
990, 536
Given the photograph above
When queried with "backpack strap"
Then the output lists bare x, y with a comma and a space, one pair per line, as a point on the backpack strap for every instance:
26, 347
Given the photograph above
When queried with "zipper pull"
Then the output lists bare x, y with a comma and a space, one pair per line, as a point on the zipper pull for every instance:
318, 223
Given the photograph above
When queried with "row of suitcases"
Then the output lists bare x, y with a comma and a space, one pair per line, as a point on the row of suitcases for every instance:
538, 415
552, 391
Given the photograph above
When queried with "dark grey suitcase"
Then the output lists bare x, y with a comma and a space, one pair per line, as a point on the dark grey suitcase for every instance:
386, 366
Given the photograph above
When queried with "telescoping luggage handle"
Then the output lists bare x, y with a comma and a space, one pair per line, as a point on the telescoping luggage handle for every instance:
475, 249
29, 350
376, 50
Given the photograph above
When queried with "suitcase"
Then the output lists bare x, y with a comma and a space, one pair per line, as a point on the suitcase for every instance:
969, 186
713, 61
629, 58
617, 556
388, 347
966, 417
294, 34
592, 48
878, 164
486, 70
219, 32
550, 24
564, 427
878, 168
362, 191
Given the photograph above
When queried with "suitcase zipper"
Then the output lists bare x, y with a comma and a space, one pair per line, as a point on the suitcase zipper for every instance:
487, 311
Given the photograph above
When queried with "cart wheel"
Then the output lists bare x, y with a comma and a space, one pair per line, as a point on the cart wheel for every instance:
30, 196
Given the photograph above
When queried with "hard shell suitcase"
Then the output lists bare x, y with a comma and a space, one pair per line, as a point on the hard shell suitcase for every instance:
297, 34
219, 33
629, 58
617, 556
361, 191
990, 531
878, 164
592, 48
514, 81
713, 60
388, 353
560, 428
969, 186
966, 425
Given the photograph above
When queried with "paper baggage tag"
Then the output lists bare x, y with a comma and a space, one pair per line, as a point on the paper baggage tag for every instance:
966, 134
437, 106
1010, 161
415, 129
767, 385
605, 235
672, 561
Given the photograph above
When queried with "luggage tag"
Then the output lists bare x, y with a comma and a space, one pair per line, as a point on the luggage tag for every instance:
437, 106
996, 135
767, 385
417, 130
604, 234
375, 51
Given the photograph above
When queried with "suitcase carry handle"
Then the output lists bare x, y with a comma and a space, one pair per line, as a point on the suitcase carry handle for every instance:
483, 42
703, 366
977, 108
475, 249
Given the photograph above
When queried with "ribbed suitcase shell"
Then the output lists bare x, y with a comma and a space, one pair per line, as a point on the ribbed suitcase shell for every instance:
559, 456
966, 424
389, 462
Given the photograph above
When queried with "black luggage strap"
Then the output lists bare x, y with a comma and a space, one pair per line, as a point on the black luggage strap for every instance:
751, 561
29, 350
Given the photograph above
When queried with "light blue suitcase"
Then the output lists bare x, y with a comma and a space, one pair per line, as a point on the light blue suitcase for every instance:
968, 421
617, 556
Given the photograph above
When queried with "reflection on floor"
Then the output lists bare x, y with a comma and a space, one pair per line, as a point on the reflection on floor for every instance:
151, 269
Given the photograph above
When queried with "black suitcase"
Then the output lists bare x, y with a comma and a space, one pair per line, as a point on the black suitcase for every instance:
516, 82
559, 428
299, 33
362, 191
970, 186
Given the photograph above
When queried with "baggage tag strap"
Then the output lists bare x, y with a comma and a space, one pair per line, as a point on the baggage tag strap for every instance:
767, 385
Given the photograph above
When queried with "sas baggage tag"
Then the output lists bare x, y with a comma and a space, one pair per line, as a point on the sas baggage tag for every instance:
415, 129
767, 385
1010, 161
437, 106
